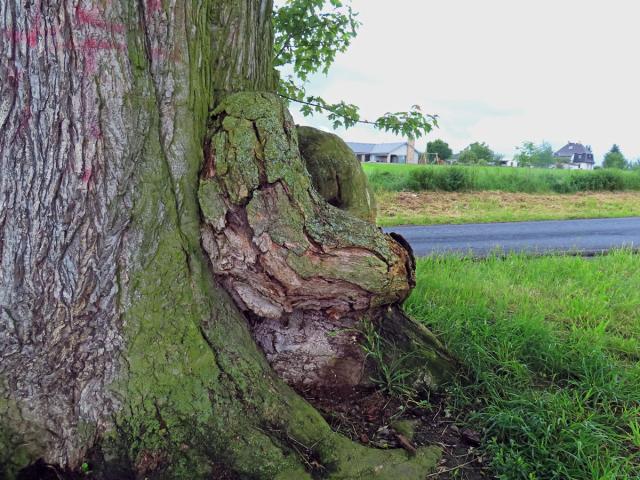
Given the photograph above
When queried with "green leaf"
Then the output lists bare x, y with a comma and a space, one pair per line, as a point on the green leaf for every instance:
308, 36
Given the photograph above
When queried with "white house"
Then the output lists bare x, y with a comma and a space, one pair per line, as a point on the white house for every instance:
402, 152
575, 156
508, 162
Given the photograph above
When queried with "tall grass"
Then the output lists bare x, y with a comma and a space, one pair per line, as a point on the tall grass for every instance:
527, 180
551, 348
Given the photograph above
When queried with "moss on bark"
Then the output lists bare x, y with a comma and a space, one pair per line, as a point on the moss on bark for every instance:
194, 391
336, 173
20, 440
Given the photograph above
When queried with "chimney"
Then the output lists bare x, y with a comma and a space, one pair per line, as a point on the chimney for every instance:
411, 151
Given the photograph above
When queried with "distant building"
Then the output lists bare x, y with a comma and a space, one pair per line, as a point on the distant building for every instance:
575, 156
507, 162
402, 152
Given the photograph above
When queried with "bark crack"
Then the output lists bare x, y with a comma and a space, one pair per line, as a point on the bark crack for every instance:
297, 287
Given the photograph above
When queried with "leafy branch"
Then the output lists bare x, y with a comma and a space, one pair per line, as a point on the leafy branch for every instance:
412, 124
308, 36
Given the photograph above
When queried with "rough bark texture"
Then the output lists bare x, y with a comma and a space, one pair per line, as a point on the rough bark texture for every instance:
123, 152
66, 151
302, 268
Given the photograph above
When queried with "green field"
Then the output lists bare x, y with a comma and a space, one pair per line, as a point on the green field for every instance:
551, 349
392, 177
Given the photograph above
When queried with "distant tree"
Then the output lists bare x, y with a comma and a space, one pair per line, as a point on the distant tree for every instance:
467, 157
477, 154
441, 148
532, 155
615, 159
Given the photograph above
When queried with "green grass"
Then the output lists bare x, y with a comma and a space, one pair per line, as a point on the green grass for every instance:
529, 180
551, 349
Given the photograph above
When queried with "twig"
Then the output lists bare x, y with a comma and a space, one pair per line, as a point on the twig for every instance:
323, 107
328, 109
437, 413
457, 467
406, 444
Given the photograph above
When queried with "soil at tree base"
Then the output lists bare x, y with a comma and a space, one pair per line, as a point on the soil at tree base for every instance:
369, 416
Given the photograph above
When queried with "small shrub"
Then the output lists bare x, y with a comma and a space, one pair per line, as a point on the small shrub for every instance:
421, 179
609, 179
598, 180
455, 179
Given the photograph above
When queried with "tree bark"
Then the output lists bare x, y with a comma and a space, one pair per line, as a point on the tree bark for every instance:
161, 244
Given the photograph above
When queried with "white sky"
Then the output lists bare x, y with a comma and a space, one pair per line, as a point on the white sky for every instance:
499, 71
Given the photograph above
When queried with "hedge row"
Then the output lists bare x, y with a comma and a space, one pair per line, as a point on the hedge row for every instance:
458, 178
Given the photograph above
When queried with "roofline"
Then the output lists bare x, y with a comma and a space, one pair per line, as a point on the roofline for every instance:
400, 144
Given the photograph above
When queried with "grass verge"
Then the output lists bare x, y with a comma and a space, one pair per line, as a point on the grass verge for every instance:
551, 347
429, 208
395, 178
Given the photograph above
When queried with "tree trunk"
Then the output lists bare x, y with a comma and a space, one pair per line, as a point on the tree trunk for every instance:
161, 246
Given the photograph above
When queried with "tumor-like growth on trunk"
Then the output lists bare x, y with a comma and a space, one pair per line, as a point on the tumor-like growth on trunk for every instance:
336, 173
304, 271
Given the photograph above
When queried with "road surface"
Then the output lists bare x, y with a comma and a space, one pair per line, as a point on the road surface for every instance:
571, 236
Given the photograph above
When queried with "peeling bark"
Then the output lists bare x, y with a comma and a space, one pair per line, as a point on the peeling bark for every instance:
306, 272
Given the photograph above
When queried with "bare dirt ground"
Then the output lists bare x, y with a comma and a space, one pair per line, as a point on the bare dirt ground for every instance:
374, 419
424, 208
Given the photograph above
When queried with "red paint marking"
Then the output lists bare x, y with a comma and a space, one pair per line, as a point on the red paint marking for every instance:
94, 18
25, 117
18, 37
34, 32
86, 175
32, 38
90, 48
154, 6
95, 131
158, 53
99, 44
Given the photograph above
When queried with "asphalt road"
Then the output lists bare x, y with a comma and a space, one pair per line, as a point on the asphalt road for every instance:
570, 236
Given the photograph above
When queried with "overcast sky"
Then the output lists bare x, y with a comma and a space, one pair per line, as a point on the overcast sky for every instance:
499, 71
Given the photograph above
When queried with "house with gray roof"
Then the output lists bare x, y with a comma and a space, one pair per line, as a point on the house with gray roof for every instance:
575, 156
398, 152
